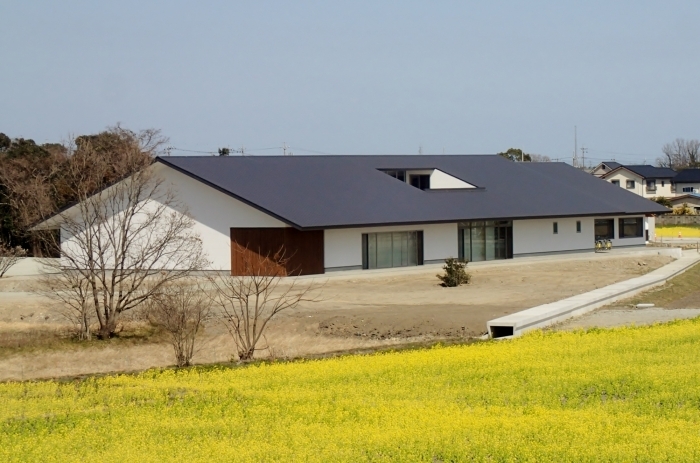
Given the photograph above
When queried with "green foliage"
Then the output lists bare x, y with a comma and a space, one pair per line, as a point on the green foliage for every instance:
664, 201
516, 155
455, 273
683, 209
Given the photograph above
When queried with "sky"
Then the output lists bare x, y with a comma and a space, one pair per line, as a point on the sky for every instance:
358, 77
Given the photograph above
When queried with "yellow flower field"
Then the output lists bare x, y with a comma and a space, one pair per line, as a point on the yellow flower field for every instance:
628, 394
672, 232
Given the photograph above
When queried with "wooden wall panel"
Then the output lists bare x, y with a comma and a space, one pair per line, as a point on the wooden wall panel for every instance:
303, 249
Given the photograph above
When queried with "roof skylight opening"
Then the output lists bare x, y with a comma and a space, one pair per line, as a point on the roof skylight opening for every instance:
429, 179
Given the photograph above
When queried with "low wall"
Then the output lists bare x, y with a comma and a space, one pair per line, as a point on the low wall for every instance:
668, 219
30, 266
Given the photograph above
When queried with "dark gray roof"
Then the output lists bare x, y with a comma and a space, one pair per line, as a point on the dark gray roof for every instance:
687, 176
611, 164
646, 171
349, 191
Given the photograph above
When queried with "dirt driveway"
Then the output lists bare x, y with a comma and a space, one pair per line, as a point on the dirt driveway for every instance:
357, 311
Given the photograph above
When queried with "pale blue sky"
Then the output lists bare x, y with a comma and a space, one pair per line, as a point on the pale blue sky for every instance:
358, 77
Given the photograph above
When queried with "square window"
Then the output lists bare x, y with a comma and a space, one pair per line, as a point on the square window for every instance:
604, 229
555, 228
615, 182
578, 226
631, 228
630, 184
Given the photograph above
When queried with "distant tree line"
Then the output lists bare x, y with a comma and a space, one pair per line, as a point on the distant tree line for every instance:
37, 180
517, 155
680, 154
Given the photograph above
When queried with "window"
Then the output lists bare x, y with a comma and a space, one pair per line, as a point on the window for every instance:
688, 189
631, 228
651, 184
397, 174
397, 249
604, 229
663, 183
555, 228
630, 184
615, 182
578, 226
479, 241
421, 182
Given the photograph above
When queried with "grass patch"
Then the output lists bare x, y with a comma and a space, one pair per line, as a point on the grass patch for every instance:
38, 340
677, 288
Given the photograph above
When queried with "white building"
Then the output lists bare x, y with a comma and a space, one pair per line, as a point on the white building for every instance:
363, 212
643, 180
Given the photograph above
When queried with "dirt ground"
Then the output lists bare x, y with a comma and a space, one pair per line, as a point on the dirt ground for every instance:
356, 312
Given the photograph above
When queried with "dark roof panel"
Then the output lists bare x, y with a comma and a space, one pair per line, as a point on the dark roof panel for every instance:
647, 171
346, 191
688, 176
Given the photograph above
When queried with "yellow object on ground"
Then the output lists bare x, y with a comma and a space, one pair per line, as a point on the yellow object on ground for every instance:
628, 394
672, 232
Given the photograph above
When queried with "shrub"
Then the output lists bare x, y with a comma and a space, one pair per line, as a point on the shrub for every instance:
455, 273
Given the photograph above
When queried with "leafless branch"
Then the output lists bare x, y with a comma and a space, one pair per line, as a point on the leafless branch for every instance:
249, 302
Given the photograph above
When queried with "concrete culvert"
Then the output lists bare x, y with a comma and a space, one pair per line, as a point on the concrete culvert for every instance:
501, 331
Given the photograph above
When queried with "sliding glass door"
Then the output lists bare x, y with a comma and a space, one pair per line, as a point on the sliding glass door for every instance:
479, 241
393, 249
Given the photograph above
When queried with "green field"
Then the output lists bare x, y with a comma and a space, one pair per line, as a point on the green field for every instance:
630, 394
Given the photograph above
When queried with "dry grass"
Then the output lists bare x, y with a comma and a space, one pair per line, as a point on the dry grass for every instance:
683, 286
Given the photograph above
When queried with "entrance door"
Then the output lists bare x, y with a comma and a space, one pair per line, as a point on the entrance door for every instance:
504, 242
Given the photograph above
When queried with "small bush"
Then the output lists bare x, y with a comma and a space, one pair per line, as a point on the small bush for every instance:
455, 273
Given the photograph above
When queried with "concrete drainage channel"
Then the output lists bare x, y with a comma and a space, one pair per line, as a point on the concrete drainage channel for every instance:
548, 314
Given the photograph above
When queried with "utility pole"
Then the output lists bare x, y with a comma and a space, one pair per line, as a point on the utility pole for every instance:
574, 161
284, 148
583, 156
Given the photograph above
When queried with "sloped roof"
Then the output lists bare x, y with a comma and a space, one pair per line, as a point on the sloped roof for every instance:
646, 171
687, 176
610, 164
349, 191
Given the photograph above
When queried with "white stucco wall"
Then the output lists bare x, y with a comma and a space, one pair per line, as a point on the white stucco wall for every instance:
214, 213
680, 186
537, 236
439, 180
663, 187
343, 247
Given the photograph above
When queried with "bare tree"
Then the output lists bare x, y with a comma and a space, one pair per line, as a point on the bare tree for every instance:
540, 158
250, 302
680, 154
181, 310
9, 256
123, 244
72, 291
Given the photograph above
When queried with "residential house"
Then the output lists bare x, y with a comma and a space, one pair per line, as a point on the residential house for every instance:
643, 180
368, 212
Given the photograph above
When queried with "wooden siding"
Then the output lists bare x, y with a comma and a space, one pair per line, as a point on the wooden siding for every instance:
255, 250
